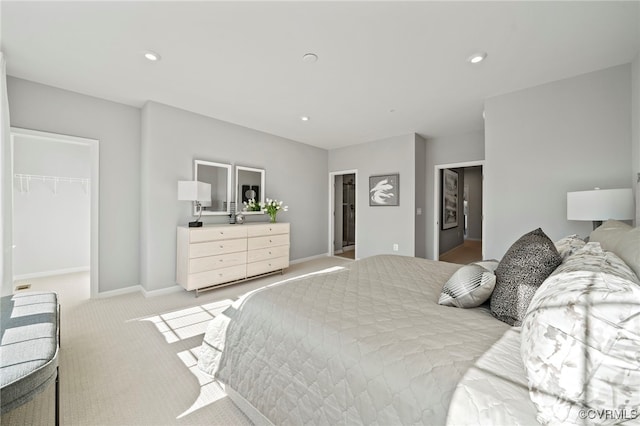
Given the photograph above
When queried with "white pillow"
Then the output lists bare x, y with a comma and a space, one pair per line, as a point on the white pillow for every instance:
469, 287
622, 239
581, 339
568, 245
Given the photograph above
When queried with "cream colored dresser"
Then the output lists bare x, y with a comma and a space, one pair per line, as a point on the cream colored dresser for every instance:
218, 255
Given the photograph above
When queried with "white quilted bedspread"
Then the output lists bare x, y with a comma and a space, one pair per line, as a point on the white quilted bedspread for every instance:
365, 345
494, 390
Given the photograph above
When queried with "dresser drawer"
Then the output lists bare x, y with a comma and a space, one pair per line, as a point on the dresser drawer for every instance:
214, 248
218, 276
208, 263
265, 266
270, 241
267, 253
268, 229
215, 233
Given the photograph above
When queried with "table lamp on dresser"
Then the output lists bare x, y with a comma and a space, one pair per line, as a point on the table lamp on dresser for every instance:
197, 192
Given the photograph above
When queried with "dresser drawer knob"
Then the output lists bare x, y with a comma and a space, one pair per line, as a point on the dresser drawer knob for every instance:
221, 246
269, 252
270, 241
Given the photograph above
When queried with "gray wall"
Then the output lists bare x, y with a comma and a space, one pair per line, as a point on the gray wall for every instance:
421, 197
172, 139
51, 224
453, 237
473, 180
543, 142
117, 127
635, 133
378, 228
6, 261
458, 148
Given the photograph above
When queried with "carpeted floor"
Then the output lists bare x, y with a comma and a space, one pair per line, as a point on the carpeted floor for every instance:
131, 360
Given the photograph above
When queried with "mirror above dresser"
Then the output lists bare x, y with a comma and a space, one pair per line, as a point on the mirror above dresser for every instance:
250, 184
218, 175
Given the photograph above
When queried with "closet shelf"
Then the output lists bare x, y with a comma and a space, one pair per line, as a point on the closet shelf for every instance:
25, 181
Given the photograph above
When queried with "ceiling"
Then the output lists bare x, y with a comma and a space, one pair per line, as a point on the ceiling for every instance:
384, 68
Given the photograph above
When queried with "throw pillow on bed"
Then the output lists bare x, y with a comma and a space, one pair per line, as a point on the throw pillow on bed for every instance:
580, 340
527, 263
621, 239
468, 287
568, 245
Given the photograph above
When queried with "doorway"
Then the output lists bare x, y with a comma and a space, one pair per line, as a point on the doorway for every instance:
342, 214
460, 239
55, 214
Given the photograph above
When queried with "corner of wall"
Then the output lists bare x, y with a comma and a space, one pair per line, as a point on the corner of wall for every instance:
635, 132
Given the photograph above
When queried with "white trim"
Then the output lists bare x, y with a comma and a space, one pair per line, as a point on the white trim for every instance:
306, 259
119, 291
332, 196
436, 202
51, 273
161, 291
94, 147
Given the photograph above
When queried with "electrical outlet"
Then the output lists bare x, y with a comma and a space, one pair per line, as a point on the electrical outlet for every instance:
395, 247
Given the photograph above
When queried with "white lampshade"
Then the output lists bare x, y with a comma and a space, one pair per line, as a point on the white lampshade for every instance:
600, 204
192, 190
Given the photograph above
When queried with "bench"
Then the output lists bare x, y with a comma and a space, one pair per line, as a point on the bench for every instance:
29, 347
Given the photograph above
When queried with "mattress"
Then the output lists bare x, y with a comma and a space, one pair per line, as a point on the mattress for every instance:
367, 344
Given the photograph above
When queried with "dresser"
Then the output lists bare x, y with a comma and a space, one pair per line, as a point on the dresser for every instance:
218, 255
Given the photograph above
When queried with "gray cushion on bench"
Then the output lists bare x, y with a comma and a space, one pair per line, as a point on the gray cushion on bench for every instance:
28, 346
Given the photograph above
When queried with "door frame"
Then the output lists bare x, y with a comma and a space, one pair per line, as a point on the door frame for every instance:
94, 153
332, 199
437, 197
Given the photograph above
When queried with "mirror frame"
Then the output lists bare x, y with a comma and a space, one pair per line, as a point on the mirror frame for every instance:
227, 212
238, 190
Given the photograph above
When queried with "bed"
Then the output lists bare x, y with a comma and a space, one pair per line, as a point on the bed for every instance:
371, 344
365, 344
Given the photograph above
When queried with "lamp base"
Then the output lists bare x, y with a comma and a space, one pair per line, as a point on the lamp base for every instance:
195, 224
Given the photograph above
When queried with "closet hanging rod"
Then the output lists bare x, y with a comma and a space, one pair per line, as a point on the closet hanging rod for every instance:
52, 178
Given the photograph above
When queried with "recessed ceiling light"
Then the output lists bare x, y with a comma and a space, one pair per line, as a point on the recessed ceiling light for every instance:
477, 57
304, 118
152, 56
310, 57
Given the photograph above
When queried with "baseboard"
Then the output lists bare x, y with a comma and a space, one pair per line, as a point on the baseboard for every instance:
306, 259
162, 291
119, 292
473, 239
51, 273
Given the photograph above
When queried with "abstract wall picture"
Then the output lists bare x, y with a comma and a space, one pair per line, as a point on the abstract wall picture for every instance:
384, 190
449, 199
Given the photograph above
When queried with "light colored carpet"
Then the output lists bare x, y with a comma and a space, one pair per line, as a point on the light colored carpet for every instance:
131, 360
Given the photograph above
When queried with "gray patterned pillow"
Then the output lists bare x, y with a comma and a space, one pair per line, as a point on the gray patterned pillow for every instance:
527, 263
580, 340
469, 287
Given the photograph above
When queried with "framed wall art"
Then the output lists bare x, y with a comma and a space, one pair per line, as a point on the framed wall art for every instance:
449, 199
384, 190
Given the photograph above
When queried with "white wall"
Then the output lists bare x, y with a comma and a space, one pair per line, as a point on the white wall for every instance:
173, 138
117, 127
378, 228
51, 223
543, 142
635, 133
456, 148
421, 197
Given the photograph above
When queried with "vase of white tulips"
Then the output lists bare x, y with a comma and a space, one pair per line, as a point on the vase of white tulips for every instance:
272, 207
